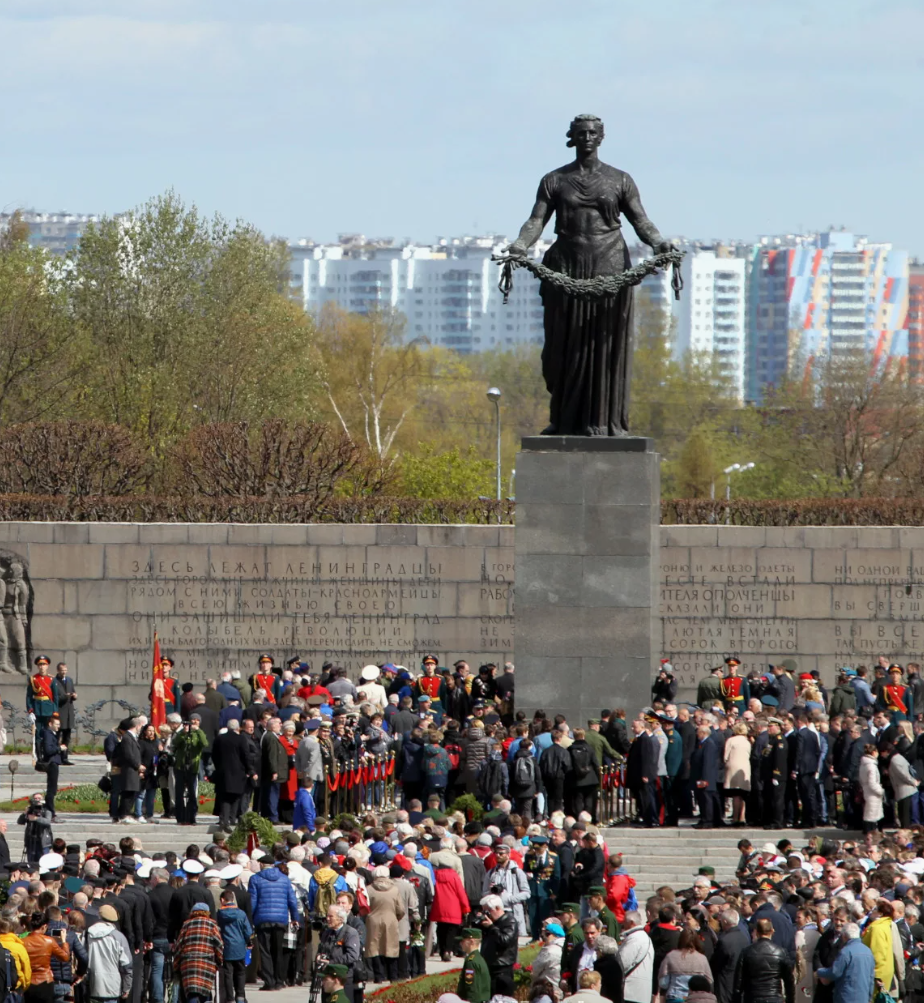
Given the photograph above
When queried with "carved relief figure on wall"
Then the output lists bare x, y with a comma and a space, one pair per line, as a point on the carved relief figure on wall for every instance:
16, 608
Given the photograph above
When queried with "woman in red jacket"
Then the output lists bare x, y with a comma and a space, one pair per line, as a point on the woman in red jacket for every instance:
450, 906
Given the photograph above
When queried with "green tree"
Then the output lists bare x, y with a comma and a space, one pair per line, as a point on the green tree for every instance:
454, 473
40, 355
187, 320
696, 466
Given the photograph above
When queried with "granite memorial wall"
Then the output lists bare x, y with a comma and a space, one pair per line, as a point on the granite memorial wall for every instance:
220, 595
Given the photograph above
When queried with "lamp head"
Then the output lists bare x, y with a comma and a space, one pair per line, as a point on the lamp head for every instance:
494, 394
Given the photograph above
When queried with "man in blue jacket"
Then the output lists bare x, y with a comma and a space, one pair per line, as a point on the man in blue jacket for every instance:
853, 971
274, 907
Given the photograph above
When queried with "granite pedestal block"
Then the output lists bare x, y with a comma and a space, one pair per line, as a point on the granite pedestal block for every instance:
587, 556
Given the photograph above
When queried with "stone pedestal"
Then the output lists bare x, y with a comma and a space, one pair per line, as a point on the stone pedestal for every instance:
587, 541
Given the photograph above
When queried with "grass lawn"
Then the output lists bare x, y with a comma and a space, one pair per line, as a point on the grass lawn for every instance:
430, 987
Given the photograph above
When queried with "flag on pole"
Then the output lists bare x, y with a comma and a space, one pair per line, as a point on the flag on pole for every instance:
158, 707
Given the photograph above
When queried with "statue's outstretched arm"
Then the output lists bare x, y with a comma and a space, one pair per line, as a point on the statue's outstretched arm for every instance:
532, 229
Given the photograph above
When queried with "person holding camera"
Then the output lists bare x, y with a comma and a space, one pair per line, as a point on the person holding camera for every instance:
188, 745
41, 949
498, 943
38, 837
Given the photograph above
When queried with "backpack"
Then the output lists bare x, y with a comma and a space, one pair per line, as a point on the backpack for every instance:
524, 771
491, 781
326, 896
454, 752
10, 978
436, 761
580, 761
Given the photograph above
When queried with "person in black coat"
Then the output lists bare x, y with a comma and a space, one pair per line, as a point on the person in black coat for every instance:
499, 944
732, 941
762, 966
664, 688
704, 772
807, 767
588, 866
231, 764
4, 848
642, 772
126, 758
52, 755
783, 933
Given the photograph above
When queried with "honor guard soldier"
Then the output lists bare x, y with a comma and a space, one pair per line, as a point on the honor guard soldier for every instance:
431, 685
171, 688
265, 679
773, 774
596, 899
735, 688
896, 697
543, 871
40, 701
474, 979
333, 979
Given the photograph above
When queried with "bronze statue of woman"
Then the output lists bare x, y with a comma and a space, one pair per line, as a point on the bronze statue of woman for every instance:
587, 357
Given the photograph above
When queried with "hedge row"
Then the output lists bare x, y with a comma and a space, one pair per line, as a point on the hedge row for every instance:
301, 509
294, 509
795, 512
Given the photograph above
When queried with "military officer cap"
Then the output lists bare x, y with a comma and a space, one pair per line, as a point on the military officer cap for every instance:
336, 971
706, 870
775, 720
471, 933
540, 840
571, 907
42, 658
597, 890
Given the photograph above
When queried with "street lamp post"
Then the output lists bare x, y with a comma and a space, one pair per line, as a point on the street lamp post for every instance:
494, 395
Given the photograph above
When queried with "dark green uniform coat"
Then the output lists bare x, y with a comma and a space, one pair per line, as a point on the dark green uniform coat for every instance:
474, 979
543, 871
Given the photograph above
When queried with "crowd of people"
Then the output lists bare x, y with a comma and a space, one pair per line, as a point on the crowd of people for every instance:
341, 904
781, 750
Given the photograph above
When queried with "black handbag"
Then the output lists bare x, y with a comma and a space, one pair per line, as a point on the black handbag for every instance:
105, 784
41, 766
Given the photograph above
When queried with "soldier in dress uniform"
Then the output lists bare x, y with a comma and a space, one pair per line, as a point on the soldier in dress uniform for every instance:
543, 871
333, 979
735, 688
474, 979
40, 700
596, 899
65, 695
266, 678
574, 933
430, 684
171, 687
896, 697
773, 775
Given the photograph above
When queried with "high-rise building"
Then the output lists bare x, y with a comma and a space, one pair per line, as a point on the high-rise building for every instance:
916, 318
56, 232
448, 291
815, 295
711, 315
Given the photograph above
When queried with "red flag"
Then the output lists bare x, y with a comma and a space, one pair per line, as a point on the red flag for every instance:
158, 707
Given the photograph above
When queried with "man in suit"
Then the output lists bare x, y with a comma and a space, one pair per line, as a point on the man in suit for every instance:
807, 767
62, 688
704, 771
772, 771
127, 760
642, 773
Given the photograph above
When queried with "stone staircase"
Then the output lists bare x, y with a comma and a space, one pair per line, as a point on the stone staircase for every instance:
672, 856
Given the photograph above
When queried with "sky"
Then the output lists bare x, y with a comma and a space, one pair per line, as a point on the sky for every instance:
425, 118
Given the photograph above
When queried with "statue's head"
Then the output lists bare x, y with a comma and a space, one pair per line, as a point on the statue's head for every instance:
585, 131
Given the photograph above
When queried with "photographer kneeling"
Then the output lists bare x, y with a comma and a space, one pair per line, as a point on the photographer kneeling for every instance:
498, 943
